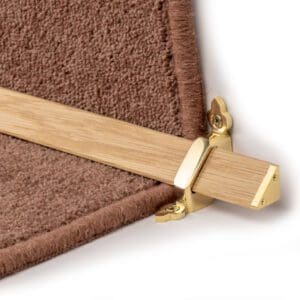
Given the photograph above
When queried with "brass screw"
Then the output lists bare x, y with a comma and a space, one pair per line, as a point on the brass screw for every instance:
173, 208
217, 121
262, 202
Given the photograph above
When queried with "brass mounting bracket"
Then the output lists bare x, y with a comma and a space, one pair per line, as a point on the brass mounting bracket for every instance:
220, 122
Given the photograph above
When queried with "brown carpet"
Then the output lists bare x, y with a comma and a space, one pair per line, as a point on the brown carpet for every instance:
131, 60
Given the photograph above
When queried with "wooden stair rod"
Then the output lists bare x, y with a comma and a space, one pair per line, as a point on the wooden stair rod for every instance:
226, 176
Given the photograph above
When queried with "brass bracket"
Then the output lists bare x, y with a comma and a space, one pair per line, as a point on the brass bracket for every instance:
220, 122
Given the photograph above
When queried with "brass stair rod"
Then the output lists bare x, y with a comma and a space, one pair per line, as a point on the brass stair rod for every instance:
225, 175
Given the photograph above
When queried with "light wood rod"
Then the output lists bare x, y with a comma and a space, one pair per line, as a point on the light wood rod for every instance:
226, 176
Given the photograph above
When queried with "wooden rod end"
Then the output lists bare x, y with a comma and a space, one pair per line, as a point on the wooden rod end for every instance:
269, 190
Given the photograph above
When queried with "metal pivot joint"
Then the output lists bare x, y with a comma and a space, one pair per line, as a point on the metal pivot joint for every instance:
220, 122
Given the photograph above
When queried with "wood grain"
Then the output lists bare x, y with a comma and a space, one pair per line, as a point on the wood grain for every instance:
232, 177
226, 176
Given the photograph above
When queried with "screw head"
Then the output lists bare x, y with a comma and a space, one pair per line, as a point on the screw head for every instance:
217, 121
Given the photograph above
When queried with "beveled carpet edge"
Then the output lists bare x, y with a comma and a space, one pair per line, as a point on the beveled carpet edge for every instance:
85, 229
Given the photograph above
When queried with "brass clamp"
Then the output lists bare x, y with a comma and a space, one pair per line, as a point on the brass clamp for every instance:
221, 122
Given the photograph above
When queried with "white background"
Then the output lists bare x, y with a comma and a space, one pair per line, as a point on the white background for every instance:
250, 53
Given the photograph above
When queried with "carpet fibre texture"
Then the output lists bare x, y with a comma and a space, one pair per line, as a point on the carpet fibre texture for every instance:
131, 60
